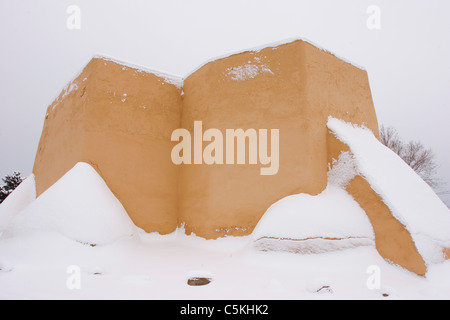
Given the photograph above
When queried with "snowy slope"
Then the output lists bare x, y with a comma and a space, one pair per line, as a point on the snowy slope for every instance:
24, 194
305, 224
172, 79
80, 206
327, 222
158, 268
411, 200
39, 254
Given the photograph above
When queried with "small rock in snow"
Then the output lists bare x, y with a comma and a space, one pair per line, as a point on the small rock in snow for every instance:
319, 285
198, 281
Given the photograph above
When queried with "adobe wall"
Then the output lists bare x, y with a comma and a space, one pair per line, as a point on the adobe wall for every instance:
62, 139
120, 121
298, 86
392, 240
447, 253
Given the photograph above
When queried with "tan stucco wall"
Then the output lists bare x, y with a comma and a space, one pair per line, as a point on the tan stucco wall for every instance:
122, 127
129, 145
306, 86
62, 139
393, 241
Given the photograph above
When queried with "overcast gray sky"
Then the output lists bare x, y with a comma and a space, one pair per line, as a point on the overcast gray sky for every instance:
407, 60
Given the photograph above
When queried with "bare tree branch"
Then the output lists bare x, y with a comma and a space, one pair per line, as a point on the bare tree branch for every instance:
414, 153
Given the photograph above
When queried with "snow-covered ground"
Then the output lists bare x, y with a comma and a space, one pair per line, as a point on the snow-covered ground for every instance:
157, 267
76, 241
114, 263
445, 197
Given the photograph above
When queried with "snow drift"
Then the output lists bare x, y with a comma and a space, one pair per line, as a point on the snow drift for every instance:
308, 224
333, 220
80, 206
17, 201
411, 200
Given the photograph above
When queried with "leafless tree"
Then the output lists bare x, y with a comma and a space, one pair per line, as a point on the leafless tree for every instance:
414, 153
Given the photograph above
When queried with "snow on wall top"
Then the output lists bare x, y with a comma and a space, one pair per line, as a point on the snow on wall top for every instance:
411, 200
333, 214
240, 73
244, 73
179, 80
274, 46
172, 79
248, 71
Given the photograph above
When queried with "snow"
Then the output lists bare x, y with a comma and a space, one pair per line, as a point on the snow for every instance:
274, 46
310, 246
411, 200
159, 267
71, 86
80, 206
5, 266
43, 246
168, 78
343, 170
68, 89
243, 72
333, 215
17, 201
309, 224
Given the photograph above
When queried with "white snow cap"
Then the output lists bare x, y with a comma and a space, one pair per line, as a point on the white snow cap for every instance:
273, 46
330, 221
80, 206
172, 79
411, 200
238, 73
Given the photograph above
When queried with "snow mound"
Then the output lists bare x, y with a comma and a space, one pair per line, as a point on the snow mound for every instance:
310, 246
18, 200
314, 224
411, 200
80, 206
